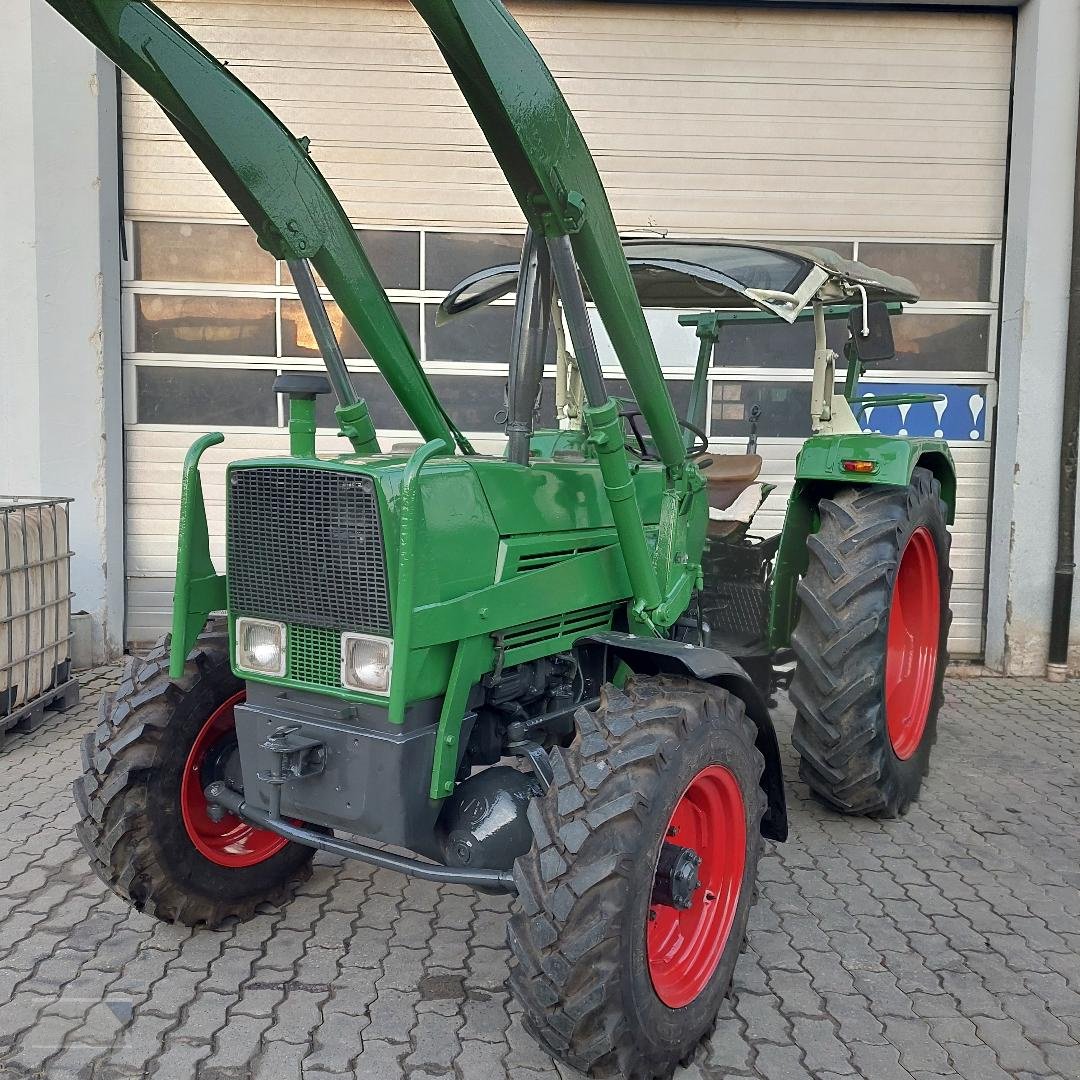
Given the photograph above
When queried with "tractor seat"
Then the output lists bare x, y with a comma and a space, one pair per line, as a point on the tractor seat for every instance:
728, 476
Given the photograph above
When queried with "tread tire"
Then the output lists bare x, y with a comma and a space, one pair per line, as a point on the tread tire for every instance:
129, 803
578, 964
840, 729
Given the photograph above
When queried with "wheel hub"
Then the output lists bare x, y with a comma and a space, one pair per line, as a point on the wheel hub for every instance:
221, 837
676, 877
696, 886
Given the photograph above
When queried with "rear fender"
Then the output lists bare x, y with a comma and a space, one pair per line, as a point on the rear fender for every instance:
819, 473
660, 656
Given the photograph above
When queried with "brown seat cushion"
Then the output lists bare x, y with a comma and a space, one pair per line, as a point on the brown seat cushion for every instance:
728, 476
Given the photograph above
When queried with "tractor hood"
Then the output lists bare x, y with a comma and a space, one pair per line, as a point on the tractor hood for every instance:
705, 273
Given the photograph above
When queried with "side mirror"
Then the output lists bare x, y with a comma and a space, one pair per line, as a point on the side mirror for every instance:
877, 345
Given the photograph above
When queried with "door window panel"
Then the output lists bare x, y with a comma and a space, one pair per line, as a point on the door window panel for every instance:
774, 344
205, 396
942, 272
297, 338
941, 342
453, 256
207, 325
785, 408
394, 256
475, 337
214, 254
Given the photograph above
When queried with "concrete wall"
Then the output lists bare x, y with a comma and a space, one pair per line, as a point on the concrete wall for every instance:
1034, 314
60, 382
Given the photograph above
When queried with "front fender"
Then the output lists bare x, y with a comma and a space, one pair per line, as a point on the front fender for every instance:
661, 656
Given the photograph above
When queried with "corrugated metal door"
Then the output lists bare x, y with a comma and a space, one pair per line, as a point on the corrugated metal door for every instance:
882, 134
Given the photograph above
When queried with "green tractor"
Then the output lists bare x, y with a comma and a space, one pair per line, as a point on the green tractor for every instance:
767, 600
495, 671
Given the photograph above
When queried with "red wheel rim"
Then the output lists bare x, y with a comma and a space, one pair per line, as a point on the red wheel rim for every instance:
684, 946
914, 631
230, 841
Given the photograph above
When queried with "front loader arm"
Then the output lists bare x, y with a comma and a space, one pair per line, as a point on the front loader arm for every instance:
547, 163
269, 176
543, 154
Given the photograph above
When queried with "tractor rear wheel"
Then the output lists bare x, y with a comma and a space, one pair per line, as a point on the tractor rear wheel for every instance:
632, 902
144, 819
870, 645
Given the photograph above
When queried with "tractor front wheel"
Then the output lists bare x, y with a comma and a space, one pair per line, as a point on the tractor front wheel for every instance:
870, 645
632, 902
144, 820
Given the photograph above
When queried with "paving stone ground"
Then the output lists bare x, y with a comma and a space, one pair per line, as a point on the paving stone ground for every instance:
945, 944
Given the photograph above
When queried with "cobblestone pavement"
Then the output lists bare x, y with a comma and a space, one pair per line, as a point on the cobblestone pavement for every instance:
945, 944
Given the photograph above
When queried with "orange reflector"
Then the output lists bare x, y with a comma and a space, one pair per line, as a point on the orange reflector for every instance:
860, 466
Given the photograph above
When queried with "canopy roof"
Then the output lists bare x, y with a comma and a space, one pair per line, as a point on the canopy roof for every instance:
718, 274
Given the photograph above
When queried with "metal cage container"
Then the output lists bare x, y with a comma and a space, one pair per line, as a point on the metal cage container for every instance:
35, 610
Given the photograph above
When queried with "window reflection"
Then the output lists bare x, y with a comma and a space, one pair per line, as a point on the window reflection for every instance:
960, 272
941, 342
215, 325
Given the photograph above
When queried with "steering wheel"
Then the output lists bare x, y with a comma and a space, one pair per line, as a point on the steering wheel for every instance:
698, 448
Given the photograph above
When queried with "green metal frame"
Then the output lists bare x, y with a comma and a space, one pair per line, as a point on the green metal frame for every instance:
200, 589
271, 178
819, 470
547, 163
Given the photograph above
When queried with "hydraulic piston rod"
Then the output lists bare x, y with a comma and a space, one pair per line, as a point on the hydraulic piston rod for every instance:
315, 310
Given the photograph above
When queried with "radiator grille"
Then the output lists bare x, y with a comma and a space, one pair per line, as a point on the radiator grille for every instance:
305, 547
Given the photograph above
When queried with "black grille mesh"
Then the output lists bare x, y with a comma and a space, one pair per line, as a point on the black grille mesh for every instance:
305, 547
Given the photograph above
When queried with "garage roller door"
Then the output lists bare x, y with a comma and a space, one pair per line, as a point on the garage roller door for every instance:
880, 133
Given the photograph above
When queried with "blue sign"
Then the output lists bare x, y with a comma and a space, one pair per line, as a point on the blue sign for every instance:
961, 417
